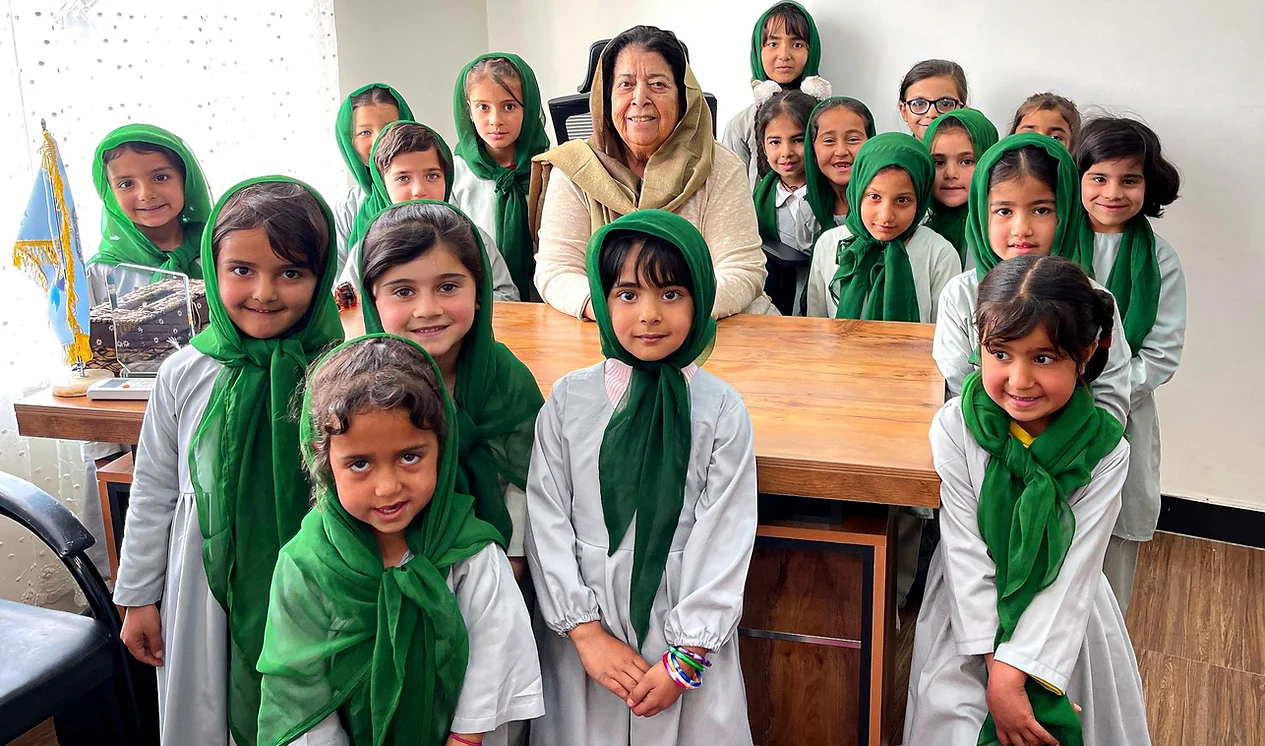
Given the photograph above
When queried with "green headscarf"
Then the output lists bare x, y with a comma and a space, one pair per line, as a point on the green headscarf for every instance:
950, 222
814, 43
513, 230
1069, 240
121, 241
497, 401
821, 193
250, 486
1134, 278
379, 199
387, 645
645, 449
1025, 518
362, 173
874, 279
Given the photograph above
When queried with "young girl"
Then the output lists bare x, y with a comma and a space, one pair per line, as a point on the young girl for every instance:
881, 264
1125, 179
837, 129
218, 486
425, 277
632, 615
155, 202
785, 55
1018, 622
929, 89
394, 615
956, 141
361, 117
781, 207
500, 128
1024, 200
1051, 115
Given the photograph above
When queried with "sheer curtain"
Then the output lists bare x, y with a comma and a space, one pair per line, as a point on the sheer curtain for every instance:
251, 85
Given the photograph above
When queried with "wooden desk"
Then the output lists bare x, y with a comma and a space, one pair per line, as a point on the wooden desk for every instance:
841, 411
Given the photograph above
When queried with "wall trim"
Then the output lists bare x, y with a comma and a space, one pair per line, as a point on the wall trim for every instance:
1206, 520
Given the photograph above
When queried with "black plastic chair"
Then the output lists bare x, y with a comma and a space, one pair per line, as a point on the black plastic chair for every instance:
570, 114
52, 659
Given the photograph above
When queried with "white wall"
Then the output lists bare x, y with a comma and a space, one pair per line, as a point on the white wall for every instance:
416, 46
1185, 73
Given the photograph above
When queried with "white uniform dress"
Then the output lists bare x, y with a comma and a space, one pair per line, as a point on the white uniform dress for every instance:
161, 559
1152, 367
344, 218
955, 340
932, 258
474, 196
502, 684
699, 601
740, 138
1072, 636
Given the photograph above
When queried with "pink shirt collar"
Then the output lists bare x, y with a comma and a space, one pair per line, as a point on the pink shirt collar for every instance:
619, 373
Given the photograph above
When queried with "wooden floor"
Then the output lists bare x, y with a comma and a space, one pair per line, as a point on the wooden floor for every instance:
1198, 625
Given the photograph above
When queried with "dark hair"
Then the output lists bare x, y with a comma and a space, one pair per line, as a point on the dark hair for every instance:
378, 374
660, 262
375, 96
407, 138
793, 103
1065, 107
145, 147
935, 69
1112, 138
851, 104
402, 233
1054, 294
1029, 160
289, 214
793, 21
650, 39
497, 69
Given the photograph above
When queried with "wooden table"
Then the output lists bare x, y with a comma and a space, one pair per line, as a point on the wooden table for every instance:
841, 411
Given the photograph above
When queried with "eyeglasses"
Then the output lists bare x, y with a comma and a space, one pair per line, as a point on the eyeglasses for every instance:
944, 105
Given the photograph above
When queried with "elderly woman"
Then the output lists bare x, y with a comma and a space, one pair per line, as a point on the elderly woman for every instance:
652, 147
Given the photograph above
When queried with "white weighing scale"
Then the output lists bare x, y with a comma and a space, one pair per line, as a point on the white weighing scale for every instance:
128, 389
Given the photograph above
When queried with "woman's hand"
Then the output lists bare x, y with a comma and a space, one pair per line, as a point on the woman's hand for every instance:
656, 693
608, 661
1011, 710
143, 634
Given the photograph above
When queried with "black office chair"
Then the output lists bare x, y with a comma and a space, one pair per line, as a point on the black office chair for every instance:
52, 659
570, 114
787, 267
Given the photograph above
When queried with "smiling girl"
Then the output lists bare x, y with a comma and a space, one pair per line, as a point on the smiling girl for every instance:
956, 141
781, 204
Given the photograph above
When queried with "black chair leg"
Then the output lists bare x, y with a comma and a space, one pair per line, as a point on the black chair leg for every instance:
92, 720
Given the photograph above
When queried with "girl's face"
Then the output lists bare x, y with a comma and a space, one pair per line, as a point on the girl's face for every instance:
148, 188
431, 300
385, 469
954, 157
1030, 378
650, 322
415, 175
1021, 218
263, 294
1047, 122
784, 149
1113, 192
928, 91
497, 115
840, 134
889, 204
784, 56
366, 122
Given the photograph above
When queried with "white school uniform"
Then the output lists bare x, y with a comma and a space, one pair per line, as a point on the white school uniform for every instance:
955, 339
932, 258
740, 138
502, 683
699, 601
1072, 636
474, 196
345, 211
161, 558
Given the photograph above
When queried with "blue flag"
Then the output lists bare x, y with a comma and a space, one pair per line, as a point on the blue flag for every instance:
48, 250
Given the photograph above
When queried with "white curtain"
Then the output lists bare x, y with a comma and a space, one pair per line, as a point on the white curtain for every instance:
251, 85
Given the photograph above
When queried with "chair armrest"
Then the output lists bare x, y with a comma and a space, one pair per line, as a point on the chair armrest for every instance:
48, 519
784, 255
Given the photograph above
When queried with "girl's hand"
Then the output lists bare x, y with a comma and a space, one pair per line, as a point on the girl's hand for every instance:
1011, 710
608, 661
143, 634
656, 693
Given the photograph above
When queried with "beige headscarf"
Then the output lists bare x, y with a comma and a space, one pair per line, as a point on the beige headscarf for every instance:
677, 170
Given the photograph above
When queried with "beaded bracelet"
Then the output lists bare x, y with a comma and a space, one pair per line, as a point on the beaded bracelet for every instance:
678, 676
459, 739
